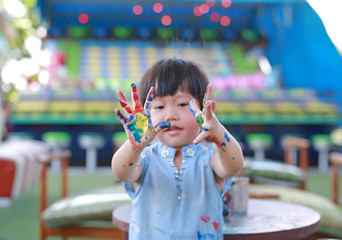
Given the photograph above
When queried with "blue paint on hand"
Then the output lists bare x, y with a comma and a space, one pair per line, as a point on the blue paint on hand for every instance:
122, 116
191, 109
165, 124
227, 137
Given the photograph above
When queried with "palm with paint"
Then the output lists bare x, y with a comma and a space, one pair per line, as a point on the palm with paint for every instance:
208, 122
138, 125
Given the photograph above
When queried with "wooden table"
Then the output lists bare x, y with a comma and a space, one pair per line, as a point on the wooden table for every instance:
266, 220
121, 217
272, 219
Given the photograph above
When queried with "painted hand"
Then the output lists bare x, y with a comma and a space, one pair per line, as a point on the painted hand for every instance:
206, 119
138, 124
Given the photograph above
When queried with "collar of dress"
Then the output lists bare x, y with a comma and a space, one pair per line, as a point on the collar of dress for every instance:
169, 152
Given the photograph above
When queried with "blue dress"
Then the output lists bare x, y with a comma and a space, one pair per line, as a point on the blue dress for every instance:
176, 205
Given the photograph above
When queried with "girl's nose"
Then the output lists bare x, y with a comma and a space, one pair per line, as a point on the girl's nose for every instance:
171, 114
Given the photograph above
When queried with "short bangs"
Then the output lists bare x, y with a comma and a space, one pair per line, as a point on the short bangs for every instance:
170, 74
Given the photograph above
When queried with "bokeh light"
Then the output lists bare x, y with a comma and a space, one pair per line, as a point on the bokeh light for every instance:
137, 9
83, 18
215, 17
34, 86
15, 8
211, 3
44, 77
226, 3
41, 32
225, 21
166, 20
204, 8
158, 7
197, 11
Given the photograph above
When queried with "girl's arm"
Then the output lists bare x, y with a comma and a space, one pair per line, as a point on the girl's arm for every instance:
138, 127
227, 161
125, 163
228, 158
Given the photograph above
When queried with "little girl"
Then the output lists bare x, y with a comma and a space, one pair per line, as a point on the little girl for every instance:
177, 183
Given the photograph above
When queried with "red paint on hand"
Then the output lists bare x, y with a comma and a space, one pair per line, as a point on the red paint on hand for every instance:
137, 107
214, 139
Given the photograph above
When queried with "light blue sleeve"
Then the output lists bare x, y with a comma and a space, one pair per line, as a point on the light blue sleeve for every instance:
144, 160
226, 186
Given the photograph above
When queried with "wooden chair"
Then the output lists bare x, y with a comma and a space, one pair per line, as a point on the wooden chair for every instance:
336, 162
293, 143
69, 230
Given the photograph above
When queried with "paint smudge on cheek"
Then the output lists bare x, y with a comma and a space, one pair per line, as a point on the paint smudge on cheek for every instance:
138, 126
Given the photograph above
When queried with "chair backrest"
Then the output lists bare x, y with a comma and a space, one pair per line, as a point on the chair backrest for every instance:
300, 143
291, 142
336, 161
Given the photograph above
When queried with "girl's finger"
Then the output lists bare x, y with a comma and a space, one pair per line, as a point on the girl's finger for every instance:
121, 117
200, 137
148, 101
207, 95
123, 103
162, 125
208, 113
205, 127
135, 99
196, 112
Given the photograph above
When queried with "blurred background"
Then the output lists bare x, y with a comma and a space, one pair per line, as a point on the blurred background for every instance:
276, 66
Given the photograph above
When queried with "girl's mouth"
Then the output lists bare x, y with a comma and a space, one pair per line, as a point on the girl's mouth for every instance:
173, 130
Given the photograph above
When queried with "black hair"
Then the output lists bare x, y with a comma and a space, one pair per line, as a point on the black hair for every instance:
170, 74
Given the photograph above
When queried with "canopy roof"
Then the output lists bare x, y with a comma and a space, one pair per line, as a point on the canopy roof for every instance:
297, 39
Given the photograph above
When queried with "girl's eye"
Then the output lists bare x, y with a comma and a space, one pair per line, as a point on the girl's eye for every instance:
159, 107
183, 104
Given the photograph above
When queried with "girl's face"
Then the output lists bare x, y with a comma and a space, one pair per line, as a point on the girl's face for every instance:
175, 109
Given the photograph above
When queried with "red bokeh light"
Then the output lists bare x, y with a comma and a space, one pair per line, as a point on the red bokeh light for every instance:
83, 18
211, 3
215, 17
225, 21
137, 9
158, 7
204, 8
166, 20
197, 11
226, 3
